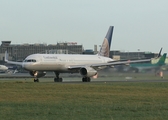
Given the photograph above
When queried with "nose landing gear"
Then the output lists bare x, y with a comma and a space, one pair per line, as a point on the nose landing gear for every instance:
36, 80
57, 78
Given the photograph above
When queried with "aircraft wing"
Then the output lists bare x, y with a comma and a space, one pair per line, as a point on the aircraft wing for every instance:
15, 63
113, 63
11, 62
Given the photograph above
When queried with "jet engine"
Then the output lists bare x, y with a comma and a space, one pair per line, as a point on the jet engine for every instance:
37, 74
87, 72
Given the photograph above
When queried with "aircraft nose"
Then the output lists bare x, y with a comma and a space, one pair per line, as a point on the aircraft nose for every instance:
6, 68
26, 66
23, 65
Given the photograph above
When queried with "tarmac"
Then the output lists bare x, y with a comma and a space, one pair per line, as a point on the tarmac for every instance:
76, 78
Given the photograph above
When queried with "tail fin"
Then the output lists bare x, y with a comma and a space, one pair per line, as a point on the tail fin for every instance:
162, 59
105, 48
159, 53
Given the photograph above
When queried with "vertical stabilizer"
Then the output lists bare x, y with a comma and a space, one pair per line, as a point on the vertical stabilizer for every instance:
159, 53
162, 59
105, 48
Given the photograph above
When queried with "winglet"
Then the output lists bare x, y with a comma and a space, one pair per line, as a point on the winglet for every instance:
159, 53
6, 56
11, 62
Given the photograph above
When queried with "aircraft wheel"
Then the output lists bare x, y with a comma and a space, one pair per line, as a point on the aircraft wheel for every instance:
58, 79
83, 79
86, 79
36, 80
55, 80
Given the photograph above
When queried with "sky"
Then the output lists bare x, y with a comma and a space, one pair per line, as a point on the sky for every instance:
139, 25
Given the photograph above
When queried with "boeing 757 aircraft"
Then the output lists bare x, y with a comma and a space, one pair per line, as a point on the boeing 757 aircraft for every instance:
86, 65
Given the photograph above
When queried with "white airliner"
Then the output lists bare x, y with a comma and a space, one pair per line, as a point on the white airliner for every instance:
3, 68
7, 70
86, 65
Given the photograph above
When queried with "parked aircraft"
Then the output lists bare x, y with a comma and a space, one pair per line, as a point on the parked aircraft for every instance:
12, 69
86, 65
138, 67
3, 68
7, 69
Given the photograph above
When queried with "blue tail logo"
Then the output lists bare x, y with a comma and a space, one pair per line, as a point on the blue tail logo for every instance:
105, 48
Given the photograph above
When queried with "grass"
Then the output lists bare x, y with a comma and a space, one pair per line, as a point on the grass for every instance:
104, 101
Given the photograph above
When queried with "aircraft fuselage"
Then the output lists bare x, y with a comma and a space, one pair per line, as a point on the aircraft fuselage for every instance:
60, 62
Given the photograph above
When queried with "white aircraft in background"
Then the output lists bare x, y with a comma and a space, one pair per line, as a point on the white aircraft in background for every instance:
86, 65
7, 70
3, 68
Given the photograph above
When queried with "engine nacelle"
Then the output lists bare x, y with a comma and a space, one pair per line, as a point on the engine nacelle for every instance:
87, 72
37, 74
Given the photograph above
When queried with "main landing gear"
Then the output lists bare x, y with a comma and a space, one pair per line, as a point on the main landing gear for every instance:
36, 80
86, 79
57, 78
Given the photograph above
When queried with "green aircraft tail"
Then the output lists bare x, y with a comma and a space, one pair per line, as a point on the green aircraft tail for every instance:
162, 59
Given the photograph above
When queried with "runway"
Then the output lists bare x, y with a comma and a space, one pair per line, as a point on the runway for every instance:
112, 78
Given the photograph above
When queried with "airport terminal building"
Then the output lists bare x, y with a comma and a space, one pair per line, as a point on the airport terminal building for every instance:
18, 52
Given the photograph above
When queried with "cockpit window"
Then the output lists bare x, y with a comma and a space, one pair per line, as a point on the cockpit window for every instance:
30, 60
